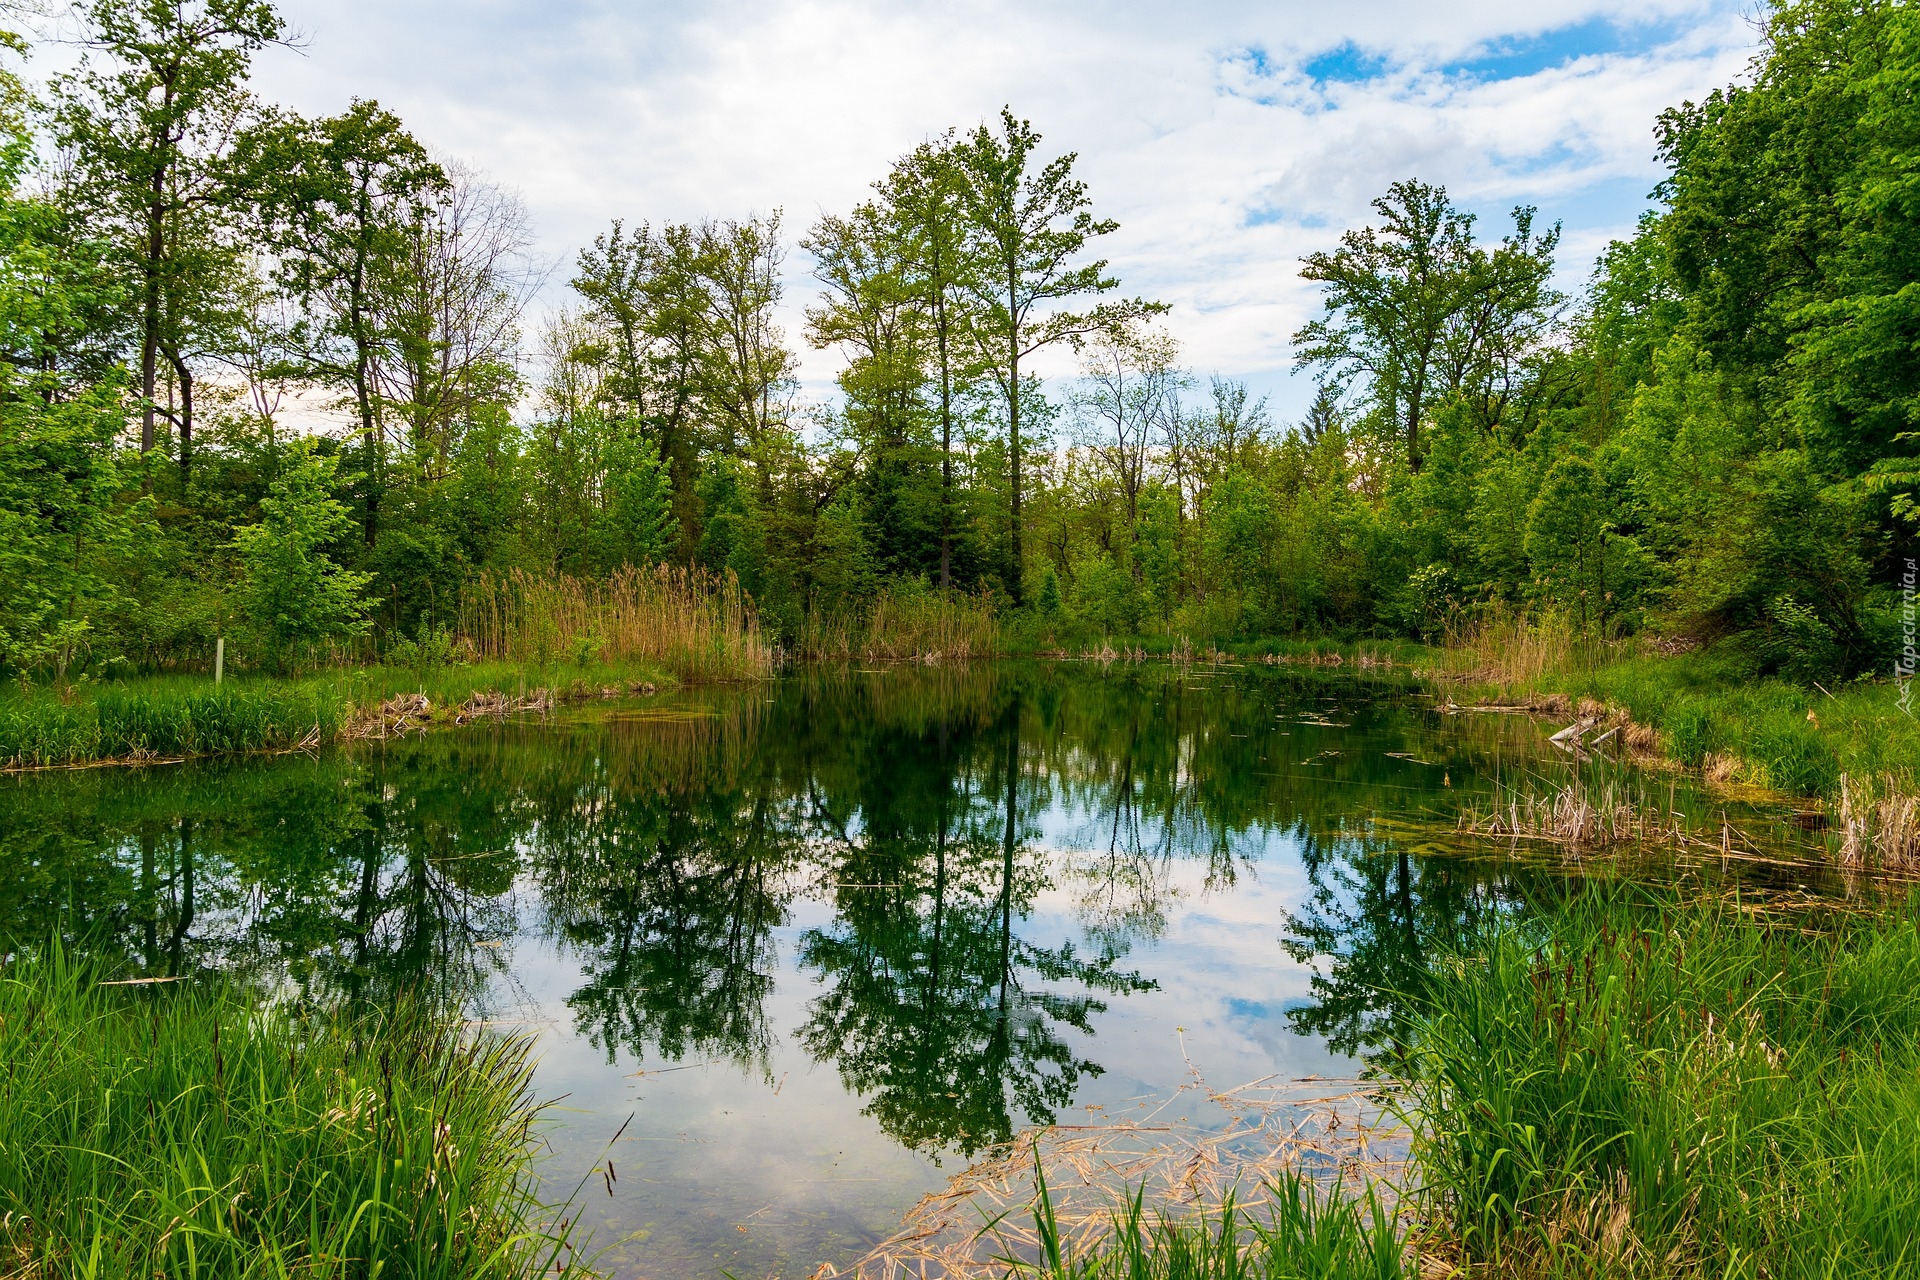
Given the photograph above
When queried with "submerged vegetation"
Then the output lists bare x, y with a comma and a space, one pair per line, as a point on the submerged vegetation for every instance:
171, 1128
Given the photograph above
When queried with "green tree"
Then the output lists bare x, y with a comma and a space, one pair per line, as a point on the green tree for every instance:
150, 124
925, 197
1416, 310
639, 526
338, 196
874, 311
292, 593
1028, 228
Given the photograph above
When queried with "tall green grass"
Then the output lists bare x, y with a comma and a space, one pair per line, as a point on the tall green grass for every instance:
1305, 1232
199, 1135
165, 719
1639, 1086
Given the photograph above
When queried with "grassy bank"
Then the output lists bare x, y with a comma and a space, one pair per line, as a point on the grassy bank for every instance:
1636, 1086
521, 642
168, 717
1622, 1084
171, 1130
1706, 709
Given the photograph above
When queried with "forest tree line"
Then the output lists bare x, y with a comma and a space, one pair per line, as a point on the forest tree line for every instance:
1714, 441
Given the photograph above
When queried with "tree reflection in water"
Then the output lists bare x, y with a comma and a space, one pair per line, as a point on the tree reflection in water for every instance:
662, 850
932, 1009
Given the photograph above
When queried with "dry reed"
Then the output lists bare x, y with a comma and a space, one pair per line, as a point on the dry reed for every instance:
911, 626
1879, 823
1510, 651
698, 626
1578, 817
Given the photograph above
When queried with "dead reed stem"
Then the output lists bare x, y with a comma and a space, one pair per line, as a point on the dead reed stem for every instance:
1879, 823
1581, 817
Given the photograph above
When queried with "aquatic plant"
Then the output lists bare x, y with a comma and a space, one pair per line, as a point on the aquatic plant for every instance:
905, 624
1880, 823
172, 1128
164, 719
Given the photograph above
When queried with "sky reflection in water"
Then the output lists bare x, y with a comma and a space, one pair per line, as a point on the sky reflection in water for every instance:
824, 939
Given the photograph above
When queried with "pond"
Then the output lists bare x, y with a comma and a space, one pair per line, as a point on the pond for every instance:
825, 939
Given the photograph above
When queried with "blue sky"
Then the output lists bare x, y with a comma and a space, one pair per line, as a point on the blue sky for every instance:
1227, 138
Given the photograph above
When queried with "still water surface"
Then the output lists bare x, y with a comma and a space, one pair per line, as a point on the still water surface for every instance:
825, 939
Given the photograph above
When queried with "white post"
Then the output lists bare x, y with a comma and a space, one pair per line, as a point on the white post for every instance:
219, 658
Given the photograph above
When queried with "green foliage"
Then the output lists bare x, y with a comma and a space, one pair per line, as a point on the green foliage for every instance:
639, 526
291, 591
207, 1133
1716, 442
430, 650
1611, 1078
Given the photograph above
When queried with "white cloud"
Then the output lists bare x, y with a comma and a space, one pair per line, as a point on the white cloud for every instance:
1196, 124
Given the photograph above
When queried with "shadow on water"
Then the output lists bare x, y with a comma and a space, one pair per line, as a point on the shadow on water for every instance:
847, 927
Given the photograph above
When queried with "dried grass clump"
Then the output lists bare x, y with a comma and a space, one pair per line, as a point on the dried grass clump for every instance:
1720, 768
1578, 817
699, 626
1879, 823
1263, 1136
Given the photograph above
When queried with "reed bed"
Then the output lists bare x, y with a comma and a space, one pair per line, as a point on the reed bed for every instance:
1629, 1084
1513, 652
902, 626
696, 626
1879, 823
170, 1130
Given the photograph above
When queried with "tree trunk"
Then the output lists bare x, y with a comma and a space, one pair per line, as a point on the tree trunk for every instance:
1017, 568
185, 377
946, 436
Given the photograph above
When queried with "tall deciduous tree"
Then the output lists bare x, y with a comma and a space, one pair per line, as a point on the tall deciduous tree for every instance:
453, 310
1128, 399
339, 197
925, 198
1416, 310
746, 373
1029, 227
873, 311
150, 118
